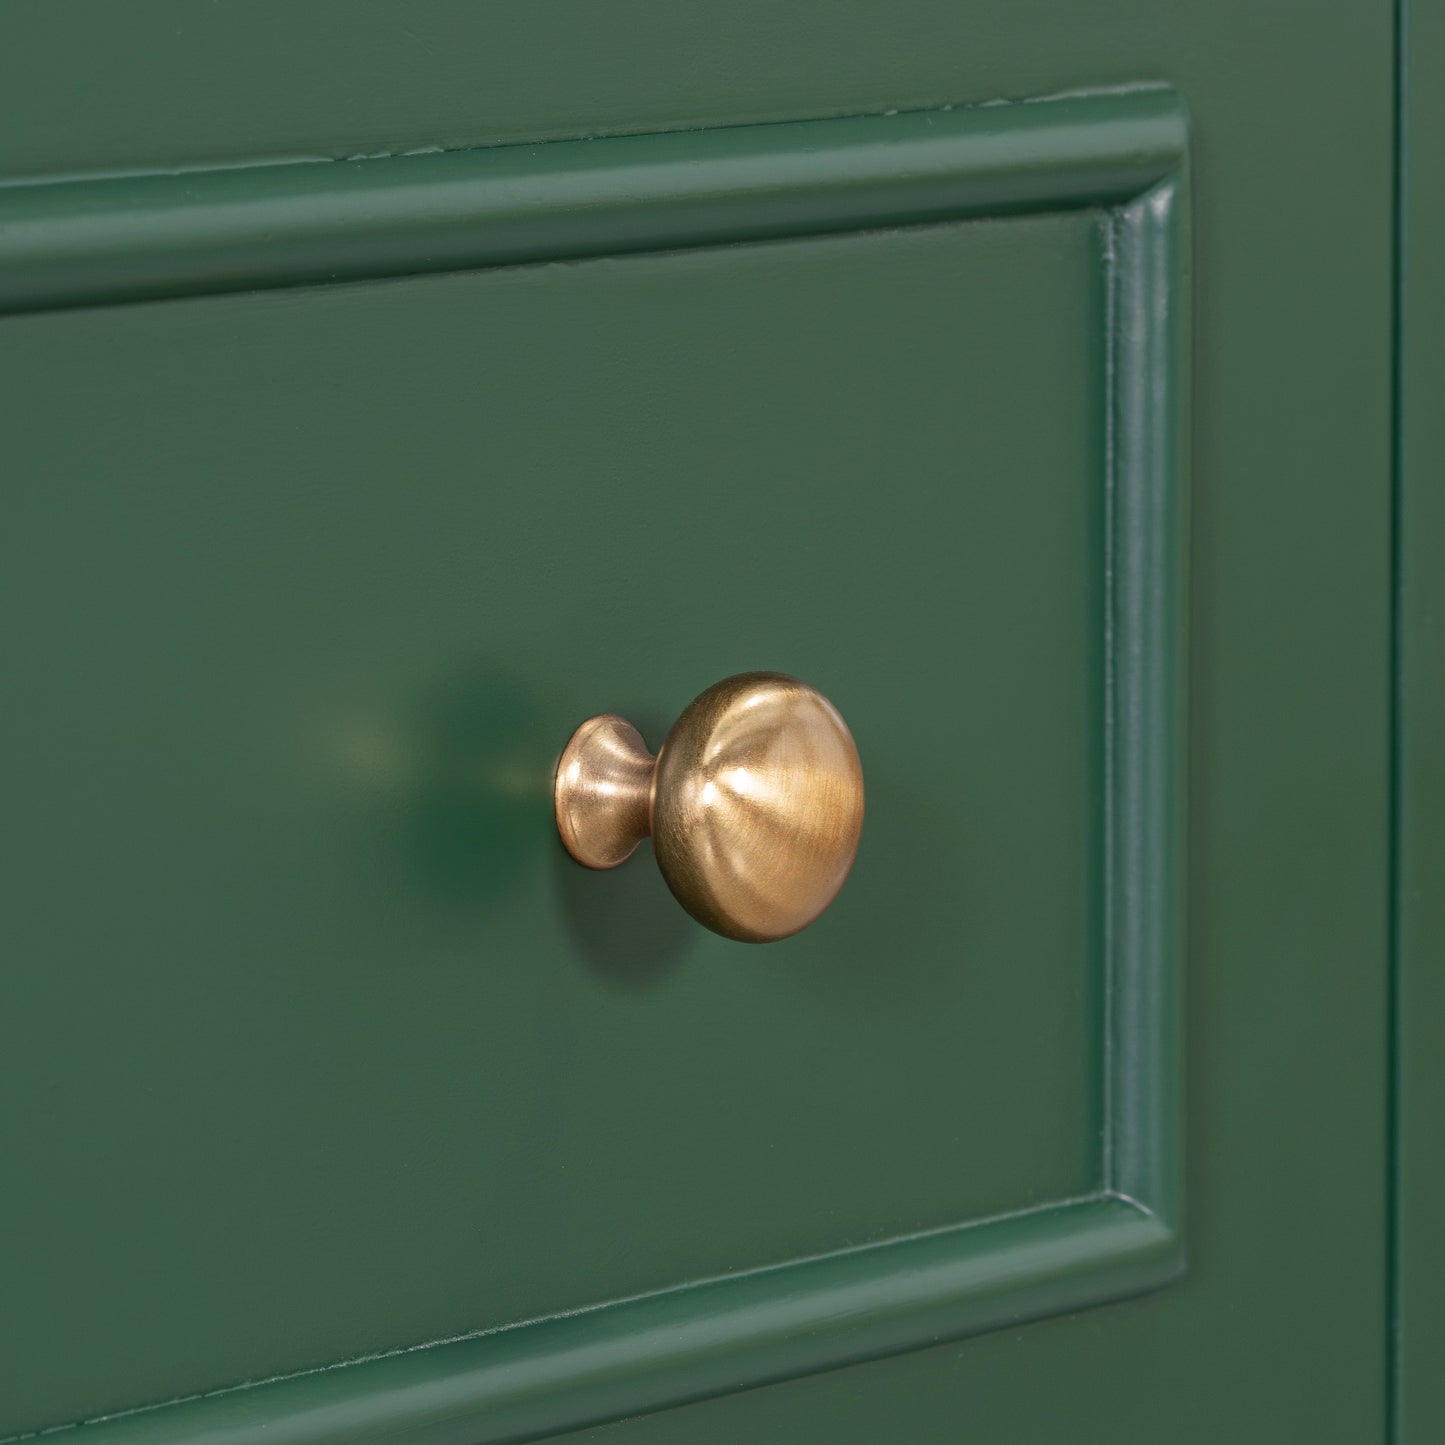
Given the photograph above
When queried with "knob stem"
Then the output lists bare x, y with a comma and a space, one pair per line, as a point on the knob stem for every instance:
605, 785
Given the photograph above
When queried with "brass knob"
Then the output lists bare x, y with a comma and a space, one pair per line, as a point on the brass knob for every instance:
754, 803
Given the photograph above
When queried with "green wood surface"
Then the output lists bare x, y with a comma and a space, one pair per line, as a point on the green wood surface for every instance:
1420, 779
248, 227
313, 1045
340, 570
1065, 1250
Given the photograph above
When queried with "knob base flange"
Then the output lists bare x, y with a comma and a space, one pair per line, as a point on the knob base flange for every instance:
603, 791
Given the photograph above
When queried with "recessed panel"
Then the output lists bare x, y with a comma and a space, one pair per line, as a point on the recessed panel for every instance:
314, 587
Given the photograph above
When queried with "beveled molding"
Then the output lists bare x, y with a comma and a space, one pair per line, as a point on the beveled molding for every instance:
1121, 153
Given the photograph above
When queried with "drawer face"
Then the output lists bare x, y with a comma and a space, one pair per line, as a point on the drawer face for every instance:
324, 1047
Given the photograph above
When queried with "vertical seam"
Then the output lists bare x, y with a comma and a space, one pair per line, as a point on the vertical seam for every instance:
1394, 1220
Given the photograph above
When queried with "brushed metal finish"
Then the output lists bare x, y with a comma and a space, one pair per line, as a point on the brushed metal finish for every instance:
754, 803
604, 791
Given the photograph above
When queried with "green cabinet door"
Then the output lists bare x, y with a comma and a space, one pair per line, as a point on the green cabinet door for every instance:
389, 389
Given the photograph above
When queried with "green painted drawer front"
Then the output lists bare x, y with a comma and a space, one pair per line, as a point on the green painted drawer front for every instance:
341, 570
336, 494
375, 1046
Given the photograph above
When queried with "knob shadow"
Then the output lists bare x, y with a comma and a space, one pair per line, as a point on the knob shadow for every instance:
474, 811
625, 926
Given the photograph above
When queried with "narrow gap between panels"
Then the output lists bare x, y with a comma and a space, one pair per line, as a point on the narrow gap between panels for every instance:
1394, 1155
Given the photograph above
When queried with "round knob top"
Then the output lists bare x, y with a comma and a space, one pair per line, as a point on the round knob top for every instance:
758, 806
754, 804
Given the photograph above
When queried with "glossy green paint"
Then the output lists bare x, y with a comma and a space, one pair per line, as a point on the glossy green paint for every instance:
635, 1356
387, 1064
295, 225
1123, 1237
1276, 1328
1419, 1263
